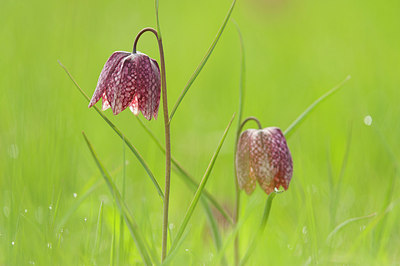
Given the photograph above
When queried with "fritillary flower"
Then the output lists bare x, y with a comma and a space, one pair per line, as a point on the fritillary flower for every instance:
263, 156
129, 80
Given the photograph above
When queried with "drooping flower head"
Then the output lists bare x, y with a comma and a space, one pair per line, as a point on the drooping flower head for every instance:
129, 80
263, 156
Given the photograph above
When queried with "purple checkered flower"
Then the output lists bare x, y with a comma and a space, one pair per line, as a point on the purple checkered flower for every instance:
129, 80
263, 156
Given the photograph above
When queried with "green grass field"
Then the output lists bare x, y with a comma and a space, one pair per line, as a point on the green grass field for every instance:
51, 189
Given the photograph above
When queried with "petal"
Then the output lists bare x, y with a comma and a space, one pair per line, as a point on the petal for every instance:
147, 84
259, 164
134, 106
106, 104
155, 88
246, 180
121, 94
104, 79
279, 157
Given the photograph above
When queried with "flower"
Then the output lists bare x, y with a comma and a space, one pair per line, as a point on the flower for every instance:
129, 79
263, 155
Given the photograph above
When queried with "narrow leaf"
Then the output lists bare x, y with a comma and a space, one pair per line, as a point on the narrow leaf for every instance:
214, 227
184, 174
348, 221
131, 224
242, 79
200, 189
203, 61
112, 249
75, 206
99, 229
296, 123
119, 133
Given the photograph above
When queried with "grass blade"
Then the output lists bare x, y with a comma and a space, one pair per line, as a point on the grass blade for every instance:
119, 133
112, 249
200, 189
133, 228
99, 229
242, 78
121, 218
348, 221
203, 61
260, 230
185, 174
75, 206
296, 123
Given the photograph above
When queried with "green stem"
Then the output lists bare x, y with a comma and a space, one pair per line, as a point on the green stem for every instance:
240, 112
167, 138
263, 223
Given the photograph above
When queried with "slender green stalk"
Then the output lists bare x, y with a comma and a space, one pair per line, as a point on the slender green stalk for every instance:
203, 61
131, 224
290, 130
112, 249
167, 137
99, 229
348, 221
200, 189
119, 133
261, 228
120, 256
240, 113
184, 174
214, 227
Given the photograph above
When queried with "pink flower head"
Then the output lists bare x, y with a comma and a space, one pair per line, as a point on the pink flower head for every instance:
263, 155
129, 79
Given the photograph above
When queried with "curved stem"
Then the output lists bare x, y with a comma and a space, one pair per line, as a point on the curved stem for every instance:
167, 138
247, 120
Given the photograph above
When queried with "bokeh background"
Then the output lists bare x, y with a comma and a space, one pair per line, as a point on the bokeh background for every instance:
295, 52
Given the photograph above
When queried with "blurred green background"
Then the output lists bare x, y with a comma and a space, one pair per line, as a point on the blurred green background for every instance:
295, 52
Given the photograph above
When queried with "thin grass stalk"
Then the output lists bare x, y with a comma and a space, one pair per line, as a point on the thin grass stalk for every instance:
200, 189
133, 228
203, 61
240, 113
214, 227
184, 174
260, 230
113, 236
120, 255
99, 229
296, 123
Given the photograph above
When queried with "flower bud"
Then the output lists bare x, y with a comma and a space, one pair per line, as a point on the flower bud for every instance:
129, 80
263, 155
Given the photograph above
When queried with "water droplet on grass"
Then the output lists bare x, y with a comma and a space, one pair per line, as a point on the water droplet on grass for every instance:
368, 120
12, 243
75, 195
